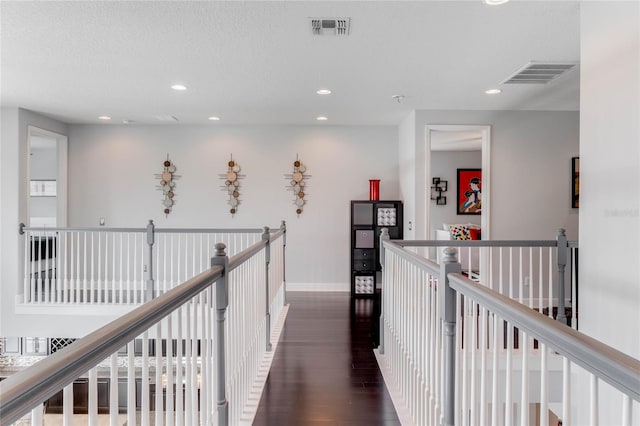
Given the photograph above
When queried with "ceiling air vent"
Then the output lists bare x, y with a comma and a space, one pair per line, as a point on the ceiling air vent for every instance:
330, 26
539, 72
169, 118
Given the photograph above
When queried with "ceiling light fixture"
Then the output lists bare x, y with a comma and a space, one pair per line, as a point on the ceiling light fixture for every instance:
104, 117
179, 87
214, 118
495, 2
493, 91
323, 92
322, 118
398, 98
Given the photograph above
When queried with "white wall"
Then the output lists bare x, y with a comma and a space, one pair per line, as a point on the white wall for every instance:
609, 177
407, 172
610, 153
15, 190
530, 170
444, 164
112, 168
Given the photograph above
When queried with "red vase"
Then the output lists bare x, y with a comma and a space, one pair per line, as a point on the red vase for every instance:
374, 189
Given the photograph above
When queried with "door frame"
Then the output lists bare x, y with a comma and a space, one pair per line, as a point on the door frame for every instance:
62, 149
485, 131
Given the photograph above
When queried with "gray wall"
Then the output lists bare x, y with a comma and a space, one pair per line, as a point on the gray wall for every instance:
530, 170
444, 164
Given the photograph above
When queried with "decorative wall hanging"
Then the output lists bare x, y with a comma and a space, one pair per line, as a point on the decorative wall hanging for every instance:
167, 185
439, 186
232, 184
298, 183
469, 191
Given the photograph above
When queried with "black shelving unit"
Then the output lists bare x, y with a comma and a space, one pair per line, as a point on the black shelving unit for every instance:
367, 220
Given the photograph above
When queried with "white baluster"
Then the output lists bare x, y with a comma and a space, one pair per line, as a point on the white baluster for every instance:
483, 368
37, 415
544, 386
113, 390
524, 390
145, 405
508, 416
159, 384
131, 384
497, 332
188, 407
566, 392
179, 363
85, 278
169, 373
67, 405
594, 400
100, 279
93, 397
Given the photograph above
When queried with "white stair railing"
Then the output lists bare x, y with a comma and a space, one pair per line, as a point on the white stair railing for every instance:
189, 356
118, 265
532, 271
464, 354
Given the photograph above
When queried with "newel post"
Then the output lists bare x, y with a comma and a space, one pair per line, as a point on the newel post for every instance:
562, 248
447, 301
266, 236
150, 285
384, 236
222, 302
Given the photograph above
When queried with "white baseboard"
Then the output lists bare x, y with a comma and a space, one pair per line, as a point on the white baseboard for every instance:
318, 287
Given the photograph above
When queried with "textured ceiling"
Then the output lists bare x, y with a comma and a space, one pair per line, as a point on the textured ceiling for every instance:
258, 63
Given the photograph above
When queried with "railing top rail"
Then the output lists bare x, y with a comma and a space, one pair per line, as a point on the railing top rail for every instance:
616, 368
477, 243
276, 233
144, 230
80, 229
246, 254
432, 267
209, 230
27, 388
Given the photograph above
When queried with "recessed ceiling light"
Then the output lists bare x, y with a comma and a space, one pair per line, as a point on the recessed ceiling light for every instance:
214, 118
323, 92
495, 2
179, 87
104, 117
493, 91
322, 118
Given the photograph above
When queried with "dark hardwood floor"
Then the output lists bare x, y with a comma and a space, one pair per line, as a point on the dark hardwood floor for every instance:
324, 371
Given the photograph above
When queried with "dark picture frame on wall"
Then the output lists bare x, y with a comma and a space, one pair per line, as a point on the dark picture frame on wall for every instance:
575, 182
469, 191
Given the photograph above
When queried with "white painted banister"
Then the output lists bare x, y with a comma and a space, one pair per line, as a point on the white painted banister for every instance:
202, 341
513, 364
118, 265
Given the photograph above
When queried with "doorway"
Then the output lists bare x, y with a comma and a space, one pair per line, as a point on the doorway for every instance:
469, 145
47, 174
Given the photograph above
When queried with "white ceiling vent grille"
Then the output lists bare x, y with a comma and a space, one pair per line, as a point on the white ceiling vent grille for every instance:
539, 72
330, 26
169, 118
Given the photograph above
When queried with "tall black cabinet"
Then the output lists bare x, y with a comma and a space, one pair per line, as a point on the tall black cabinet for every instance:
367, 220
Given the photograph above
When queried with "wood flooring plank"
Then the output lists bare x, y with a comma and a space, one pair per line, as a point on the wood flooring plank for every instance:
324, 371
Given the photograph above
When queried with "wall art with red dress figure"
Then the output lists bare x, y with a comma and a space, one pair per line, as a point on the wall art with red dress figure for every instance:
469, 191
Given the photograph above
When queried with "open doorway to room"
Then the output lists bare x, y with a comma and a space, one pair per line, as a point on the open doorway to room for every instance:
455, 153
47, 172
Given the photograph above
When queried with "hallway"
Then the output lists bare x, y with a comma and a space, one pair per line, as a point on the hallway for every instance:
324, 371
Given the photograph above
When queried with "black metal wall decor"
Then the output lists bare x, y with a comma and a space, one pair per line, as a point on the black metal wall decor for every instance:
438, 187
